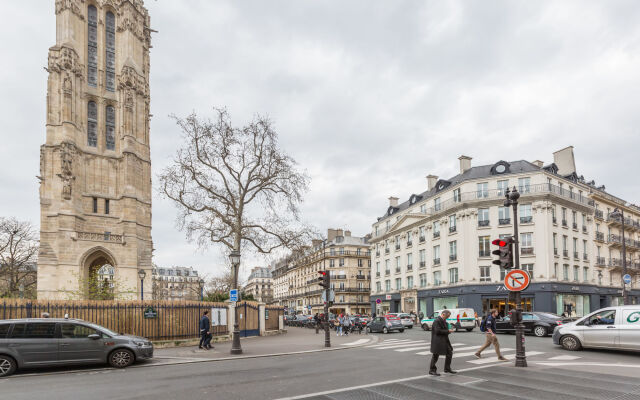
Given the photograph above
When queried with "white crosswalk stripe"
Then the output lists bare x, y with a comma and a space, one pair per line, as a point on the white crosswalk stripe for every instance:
396, 345
508, 357
424, 353
470, 353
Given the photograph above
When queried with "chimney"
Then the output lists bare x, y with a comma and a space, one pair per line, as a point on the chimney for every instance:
431, 181
347, 233
538, 163
465, 163
393, 201
331, 234
339, 232
565, 161
316, 242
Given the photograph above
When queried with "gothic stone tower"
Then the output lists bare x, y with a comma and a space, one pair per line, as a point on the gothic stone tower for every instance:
95, 166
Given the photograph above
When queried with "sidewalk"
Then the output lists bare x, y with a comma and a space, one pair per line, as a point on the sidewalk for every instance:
294, 341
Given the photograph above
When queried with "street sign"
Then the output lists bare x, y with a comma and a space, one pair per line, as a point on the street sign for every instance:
516, 280
332, 295
378, 301
388, 297
233, 295
150, 312
626, 279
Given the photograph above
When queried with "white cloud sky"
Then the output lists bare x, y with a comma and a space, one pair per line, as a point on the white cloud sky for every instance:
368, 96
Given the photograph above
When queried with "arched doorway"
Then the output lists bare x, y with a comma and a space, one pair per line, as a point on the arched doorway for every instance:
99, 273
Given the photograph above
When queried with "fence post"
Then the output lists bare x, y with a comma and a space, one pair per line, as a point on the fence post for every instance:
262, 321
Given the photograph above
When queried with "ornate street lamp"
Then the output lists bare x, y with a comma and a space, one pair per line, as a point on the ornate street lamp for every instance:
201, 284
235, 262
141, 274
620, 214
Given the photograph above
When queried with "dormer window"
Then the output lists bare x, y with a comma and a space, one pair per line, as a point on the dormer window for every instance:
500, 167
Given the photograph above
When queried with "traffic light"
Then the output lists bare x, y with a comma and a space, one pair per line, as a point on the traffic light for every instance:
504, 253
323, 280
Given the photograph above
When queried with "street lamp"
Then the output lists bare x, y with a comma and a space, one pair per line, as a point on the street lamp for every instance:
512, 200
235, 262
201, 284
620, 214
141, 274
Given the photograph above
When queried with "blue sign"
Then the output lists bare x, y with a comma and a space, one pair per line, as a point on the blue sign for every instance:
626, 279
378, 301
233, 295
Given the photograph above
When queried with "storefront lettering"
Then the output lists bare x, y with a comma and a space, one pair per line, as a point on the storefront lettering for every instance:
443, 291
501, 289
576, 288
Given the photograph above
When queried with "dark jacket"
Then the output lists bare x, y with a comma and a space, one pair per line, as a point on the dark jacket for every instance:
205, 325
440, 337
490, 324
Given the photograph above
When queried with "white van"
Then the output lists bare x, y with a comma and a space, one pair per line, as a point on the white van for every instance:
460, 318
616, 328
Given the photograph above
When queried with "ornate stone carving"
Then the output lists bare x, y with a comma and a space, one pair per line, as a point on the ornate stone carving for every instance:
73, 5
65, 59
129, 79
67, 154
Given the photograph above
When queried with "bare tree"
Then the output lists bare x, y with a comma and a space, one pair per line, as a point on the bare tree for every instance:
234, 186
18, 257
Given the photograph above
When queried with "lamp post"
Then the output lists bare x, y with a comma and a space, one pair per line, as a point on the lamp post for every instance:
620, 214
201, 285
235, 262
141, 274
512, 200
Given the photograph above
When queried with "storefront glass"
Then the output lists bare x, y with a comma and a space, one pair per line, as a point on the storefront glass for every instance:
503, 305
572, 305
440, 303
423, 306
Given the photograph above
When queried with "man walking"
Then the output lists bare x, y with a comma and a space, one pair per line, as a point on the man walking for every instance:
488, 326
205, 334
440, 344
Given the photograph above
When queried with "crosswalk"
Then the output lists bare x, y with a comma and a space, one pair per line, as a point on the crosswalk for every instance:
460, 350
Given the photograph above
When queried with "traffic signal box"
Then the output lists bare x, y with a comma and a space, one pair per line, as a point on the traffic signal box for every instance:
504, 252
323, 280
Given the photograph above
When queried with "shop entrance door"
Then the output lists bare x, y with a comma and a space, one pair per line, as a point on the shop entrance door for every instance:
503, 305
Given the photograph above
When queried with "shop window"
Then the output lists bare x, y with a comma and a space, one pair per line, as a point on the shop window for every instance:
572, 305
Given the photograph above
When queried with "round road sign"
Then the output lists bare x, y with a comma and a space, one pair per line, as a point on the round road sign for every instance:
516, 280
626, 279
378, 301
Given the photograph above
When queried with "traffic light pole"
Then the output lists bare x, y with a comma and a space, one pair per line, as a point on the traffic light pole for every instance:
327, 335
521, 358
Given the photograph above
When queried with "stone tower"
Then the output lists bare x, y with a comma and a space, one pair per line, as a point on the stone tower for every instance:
95, 166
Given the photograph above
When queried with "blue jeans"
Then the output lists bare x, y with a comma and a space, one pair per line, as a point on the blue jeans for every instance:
339, 330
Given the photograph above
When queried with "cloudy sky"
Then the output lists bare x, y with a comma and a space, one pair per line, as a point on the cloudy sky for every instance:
368, 96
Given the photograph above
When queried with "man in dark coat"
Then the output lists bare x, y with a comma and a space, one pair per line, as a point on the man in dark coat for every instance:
440, 344
205, 332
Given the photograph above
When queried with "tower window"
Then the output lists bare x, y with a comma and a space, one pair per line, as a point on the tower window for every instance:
110, 123
92, 124
92, 47
106, 206
110, 41
95, 205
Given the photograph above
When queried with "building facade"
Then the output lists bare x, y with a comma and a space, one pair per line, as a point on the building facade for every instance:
95, 165
433, 251
260, 285
346, 257
176, 283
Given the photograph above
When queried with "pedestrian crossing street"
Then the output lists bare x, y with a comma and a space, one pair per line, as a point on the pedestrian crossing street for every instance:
460, 351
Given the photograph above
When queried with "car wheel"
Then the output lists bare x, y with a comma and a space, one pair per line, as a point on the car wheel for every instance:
385, 330
570, 343
368, 329
425, 327
540, 331
7, 366
401, 330
121, 358
469, 329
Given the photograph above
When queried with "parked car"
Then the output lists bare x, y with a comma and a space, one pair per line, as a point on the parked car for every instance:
26, 343
288, 319
537, 323
615, 328
460, 318
385, 324
405, 319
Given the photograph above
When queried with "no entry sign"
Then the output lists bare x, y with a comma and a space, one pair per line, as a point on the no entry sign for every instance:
516, 280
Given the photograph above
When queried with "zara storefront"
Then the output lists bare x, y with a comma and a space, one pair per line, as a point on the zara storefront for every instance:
573, 300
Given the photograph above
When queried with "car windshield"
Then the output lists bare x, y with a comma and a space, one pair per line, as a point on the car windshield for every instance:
103, 329
549, 315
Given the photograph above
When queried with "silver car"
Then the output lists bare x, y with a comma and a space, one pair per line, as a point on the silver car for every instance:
616, 328
26, 343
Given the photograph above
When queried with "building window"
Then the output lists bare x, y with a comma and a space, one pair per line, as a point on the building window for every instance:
423, 280
95, 205
397, 264
502, 187
110, 56
555, 244
409, 238
110, 128
483, 217
576, 273
482, 190
341, 263
436, 255
423, 258
332, 263
575, 248
92, 47
421, 233
526, 243
106, 206
484, 249
387, 285
378, 287
503, 273
436, 229
553, 214
436, 204
409, 282
456, 196
555, 270
423, 208
453, 275
409, 261
485, 273
529, 269
453, 251
437, 278
525, 214
524, 185
564, 216
398, 284
92, 124
565, 272
585, 274
387, 267
359, 262
452, 223
504, 216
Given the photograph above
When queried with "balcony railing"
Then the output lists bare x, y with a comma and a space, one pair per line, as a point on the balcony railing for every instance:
387, 272
436, 235
452, 229
453, 257
600, 236
361, 276
483, 253
526, 251
339, 277
410, 267
599, 214
576, 255
422, 239
554, 220
436, 261
423, 264
526, 220
601, 261
575, 225
484, 222
398, 246
615, 262
378, 253
386, 251
504, 221
378, 273
584, 229
555, 251
565, 253
585, 257
564, 223
397, 270
409, 243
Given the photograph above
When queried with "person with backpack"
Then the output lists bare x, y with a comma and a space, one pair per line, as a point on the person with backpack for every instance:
346, 324
488, 326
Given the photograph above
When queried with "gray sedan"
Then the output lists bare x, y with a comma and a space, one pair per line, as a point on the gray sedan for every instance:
26, 343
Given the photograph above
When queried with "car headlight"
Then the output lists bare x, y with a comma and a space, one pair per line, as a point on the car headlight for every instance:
140, 343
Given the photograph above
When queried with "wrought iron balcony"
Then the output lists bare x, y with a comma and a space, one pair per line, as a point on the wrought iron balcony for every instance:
504, 221
576, 255
615, 262
584, 229
483, 223
585, 257
555, 251
599, 214
600, 236
422, 239
526, 220
554, 220
436, 234
378, 273
409, 243
436, 261
423, 264
575, 225
565, 253
398, 246
397, 270
377, 253
452, 229
601, 261
526, 251
453, 257
386, 251
484, 253
410, 267
564, 223
387, 272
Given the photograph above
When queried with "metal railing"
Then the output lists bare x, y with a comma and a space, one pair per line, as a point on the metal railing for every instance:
526, 251
504, 221
483, 253
452, 229
436, 234
600, 236
599, 214
565, 253
526, 220
576, 255
436, 261
410, 267
484, 222
601, 261
423, 264
453, 257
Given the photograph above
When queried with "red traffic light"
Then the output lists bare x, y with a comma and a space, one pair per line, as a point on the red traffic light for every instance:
499, 242
323, 273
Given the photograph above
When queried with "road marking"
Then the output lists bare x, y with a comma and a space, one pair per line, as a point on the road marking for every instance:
424, 353
564, 358
414, 348
357, 342
508, 357
458, 355
414, 342
595, 364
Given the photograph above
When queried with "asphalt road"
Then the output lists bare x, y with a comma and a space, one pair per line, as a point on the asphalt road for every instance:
394, 357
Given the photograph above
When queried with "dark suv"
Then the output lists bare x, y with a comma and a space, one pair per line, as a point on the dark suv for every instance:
42, 342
